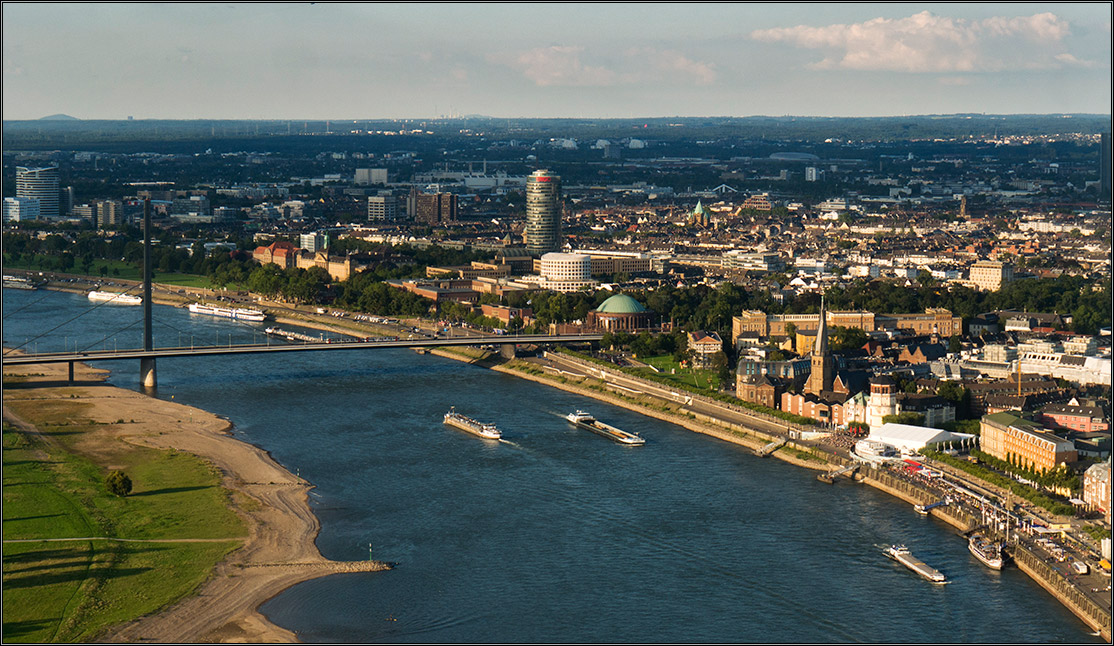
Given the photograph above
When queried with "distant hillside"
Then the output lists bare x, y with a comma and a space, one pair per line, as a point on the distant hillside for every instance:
196, 135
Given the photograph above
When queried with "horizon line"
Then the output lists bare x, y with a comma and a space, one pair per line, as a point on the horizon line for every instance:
61, 117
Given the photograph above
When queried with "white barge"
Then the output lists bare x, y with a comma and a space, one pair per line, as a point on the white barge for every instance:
902, 555
586, 421
115, 298
238, 313
456, 420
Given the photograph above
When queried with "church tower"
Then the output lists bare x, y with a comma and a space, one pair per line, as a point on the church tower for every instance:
822, 376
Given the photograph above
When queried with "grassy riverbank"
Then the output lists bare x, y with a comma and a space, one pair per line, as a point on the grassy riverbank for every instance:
70, 591
212, 529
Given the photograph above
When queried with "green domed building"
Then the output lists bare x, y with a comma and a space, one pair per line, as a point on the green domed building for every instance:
621, 312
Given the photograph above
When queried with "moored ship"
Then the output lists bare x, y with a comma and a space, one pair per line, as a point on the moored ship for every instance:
902, 555
115, 298
239, 313
987, 551
586, 421
875, 452
18, 282
482, 429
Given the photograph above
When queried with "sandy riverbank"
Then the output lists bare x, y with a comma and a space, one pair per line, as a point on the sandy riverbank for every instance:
280, 548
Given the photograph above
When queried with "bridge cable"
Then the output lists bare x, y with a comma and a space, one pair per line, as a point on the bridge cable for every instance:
126, 327
67, 322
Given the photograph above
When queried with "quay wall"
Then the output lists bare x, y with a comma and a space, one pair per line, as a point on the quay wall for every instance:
1056, 584
912, 494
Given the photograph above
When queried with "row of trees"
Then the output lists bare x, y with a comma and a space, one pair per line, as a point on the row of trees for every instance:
1057, 479
1086, 301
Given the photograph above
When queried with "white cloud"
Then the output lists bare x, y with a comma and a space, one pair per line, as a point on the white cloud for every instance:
928, 43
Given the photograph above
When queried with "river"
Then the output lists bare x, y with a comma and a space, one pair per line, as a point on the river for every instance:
553, 534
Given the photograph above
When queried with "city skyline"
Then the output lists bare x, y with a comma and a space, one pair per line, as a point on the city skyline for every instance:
386, 61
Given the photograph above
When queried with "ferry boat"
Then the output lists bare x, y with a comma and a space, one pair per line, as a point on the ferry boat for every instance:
115, 298
902, 555
456, 420
239, 313
586, 421
17, 282
987, 551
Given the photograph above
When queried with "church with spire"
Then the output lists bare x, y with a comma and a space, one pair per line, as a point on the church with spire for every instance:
822, 374
826, 389
700, 217
836, 397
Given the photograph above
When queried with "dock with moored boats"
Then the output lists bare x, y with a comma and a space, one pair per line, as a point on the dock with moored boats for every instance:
830, 476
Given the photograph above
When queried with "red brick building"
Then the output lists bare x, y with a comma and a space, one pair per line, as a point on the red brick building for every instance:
1075, 416
281, 253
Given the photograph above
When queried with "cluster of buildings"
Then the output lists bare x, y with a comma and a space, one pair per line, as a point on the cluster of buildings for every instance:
1030, 421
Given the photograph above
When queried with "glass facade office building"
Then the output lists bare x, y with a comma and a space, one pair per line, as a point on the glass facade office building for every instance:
40, 184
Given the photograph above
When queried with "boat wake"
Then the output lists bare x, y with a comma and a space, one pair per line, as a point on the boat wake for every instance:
515, 445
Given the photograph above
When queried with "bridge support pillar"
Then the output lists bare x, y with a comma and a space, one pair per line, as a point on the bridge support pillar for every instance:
147, 373
506, 350
71, 372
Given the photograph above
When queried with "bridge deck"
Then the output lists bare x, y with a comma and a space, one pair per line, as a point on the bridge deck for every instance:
64, 357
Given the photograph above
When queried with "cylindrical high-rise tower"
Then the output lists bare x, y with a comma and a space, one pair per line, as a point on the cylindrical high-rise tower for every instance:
543, 212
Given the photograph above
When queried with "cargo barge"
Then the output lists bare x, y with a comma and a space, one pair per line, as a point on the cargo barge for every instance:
586, 421
902, 555
482, 429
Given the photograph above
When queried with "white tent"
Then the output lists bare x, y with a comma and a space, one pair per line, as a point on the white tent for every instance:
915, 438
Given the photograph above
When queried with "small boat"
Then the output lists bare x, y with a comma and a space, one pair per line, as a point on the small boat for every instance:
902, 555
987, 551
482, 429
115, 298
586, 421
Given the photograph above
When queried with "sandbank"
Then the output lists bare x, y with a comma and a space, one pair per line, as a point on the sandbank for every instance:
279, 550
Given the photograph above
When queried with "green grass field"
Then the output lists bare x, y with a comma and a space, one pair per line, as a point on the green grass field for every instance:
672, 370
70, 591
118, 269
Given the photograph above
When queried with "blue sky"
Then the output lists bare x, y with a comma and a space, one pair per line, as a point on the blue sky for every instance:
375, 61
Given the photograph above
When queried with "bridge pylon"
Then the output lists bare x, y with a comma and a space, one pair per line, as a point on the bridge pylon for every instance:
147, 364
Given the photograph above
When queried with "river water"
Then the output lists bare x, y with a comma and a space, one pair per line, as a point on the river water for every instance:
553, 534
